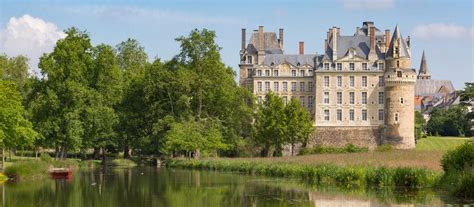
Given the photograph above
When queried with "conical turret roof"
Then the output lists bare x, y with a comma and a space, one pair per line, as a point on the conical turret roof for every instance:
402, 45
423, 65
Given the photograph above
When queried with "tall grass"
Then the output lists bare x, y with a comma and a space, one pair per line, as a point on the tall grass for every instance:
347, 176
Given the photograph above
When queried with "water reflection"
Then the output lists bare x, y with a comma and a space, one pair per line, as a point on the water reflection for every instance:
171, 187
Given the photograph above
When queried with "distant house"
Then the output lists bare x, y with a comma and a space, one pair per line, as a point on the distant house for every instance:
430, 94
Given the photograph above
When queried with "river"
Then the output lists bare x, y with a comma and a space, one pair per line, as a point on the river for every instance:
142, 187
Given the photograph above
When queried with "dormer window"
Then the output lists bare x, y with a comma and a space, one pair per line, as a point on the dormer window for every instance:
272, 64
249, 59
326, 66
399, 74
381, 66
339, 66
364, 66
298, 64
351, 66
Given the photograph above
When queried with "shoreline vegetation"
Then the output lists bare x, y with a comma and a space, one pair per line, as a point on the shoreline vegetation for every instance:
457, 177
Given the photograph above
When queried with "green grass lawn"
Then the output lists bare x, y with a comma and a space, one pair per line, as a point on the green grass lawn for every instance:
440, 143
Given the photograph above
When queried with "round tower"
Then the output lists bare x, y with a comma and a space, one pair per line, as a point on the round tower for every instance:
400, 81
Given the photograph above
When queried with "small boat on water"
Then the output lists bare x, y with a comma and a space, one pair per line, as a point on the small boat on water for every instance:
60, 173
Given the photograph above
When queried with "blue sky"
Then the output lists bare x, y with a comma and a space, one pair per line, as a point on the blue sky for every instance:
444, 29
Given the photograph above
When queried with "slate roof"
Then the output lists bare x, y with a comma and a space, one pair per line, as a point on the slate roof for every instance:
432, 87
360, 43
270, 44
404, 51
423, 65
278, 59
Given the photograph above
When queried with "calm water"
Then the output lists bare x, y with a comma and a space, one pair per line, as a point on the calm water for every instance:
173, 187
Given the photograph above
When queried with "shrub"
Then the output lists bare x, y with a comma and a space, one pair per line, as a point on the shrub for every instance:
26, 169
317, 149
379, 177
46, 157
384, 148
465, 186
413, 178
459, 158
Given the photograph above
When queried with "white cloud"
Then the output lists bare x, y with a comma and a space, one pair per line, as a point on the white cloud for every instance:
29, 36
443, 31
161, 15
368, 4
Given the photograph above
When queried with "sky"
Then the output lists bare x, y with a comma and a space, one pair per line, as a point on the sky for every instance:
442, 28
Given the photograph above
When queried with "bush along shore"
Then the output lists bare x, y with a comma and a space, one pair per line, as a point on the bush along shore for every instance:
457, 179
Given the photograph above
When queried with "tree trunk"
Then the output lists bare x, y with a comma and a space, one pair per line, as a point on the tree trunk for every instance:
3, 158
103, 157
56, 153
292, 149
96, 153
126, 152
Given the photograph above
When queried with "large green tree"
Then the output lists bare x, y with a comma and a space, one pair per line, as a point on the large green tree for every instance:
453, 121
15, 129
298, 124
270, 125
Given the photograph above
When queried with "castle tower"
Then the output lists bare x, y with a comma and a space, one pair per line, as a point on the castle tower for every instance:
400, 81
423, 74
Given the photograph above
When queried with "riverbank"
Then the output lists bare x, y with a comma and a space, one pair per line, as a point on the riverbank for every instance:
361, 176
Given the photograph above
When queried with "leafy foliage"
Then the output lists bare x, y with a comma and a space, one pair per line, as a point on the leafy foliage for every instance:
449, 122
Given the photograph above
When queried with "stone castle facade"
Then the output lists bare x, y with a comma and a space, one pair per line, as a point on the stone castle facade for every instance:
360, 90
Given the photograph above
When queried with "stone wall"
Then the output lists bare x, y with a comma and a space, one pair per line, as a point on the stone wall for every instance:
341, 136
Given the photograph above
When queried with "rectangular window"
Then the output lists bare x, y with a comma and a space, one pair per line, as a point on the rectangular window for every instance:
351, 66
310, 72
364, 81
326, 66
351, 81
302, 101
399, 74
381, 98
293, 86
276, 86
339, 97
364, 114
364, 97
351, 114
401, 100
310, 101
250, 59
364, 66
381, 66
339, 81
381, 114
381, 81
339, 115
293, 73
397, 117
326, 114
259, 86
267, 72
267, 86
339, 66
351, 97
326, 81
259, 72
310, 86
275, 73
285, 86
249, 73
326, 97
301, 72
301, 86
285, 99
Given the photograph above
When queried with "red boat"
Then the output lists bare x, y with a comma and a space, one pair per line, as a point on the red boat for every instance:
60, 173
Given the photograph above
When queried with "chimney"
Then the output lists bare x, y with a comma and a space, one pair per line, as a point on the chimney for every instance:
301, 48
387, 39
408, 41
372, 38
357, 30
243, 39
260, 39
334, 43
281, 38
328, 35
325, 45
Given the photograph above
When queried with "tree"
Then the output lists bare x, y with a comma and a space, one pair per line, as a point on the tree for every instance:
194, 137
132, 60
467, 94
15, 69
60, 98
15, 129
270, 124
298, 124
449, 122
